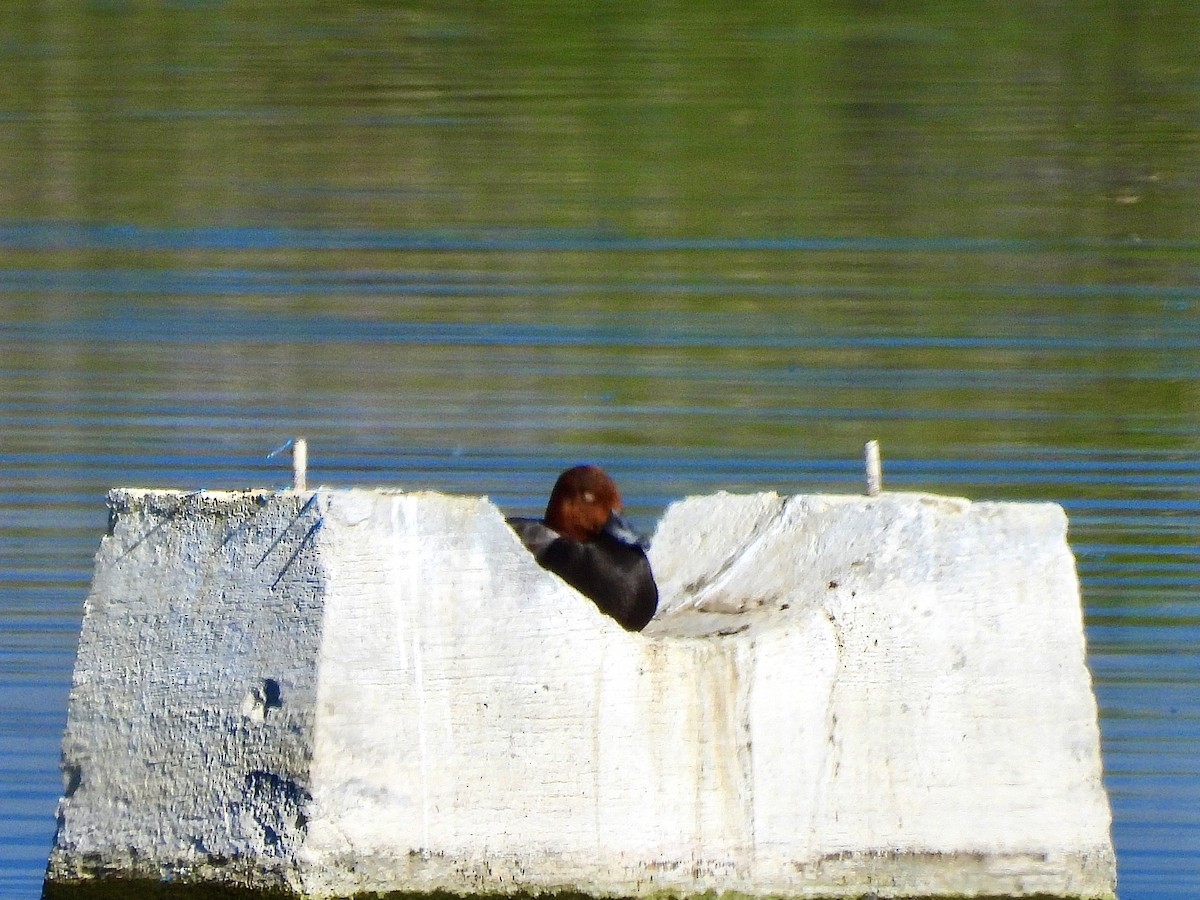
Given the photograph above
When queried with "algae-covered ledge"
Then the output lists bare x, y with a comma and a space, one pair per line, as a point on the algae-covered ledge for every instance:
348, 692
149, 889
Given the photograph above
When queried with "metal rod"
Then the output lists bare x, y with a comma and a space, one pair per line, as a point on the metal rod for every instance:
300, 465
874, 468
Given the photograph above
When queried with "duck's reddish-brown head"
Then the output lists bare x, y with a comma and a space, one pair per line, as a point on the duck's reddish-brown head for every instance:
582, 500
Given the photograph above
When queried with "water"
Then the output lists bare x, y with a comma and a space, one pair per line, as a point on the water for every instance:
461, 246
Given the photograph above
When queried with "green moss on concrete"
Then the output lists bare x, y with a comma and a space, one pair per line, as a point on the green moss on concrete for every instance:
146, 889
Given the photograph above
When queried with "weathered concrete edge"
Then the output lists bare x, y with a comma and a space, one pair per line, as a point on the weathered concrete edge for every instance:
150, 889
163, 890
1001, 877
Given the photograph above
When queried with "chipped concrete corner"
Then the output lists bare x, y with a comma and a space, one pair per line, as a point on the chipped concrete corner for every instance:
346, 692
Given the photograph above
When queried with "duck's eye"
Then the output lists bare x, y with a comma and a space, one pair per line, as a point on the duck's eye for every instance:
589, 497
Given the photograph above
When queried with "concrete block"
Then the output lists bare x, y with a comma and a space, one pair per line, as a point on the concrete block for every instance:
343, 692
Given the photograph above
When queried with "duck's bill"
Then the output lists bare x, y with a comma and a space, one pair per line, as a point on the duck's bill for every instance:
618, 527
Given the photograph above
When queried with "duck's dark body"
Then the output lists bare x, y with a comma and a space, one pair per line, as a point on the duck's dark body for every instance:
615, 574
584, 541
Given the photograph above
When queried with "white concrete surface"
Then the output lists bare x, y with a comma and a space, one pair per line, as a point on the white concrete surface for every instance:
354, 691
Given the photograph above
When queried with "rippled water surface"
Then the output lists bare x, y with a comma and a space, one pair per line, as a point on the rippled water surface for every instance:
460, 246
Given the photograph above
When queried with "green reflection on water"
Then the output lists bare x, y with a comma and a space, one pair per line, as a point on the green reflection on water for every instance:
1022, 179
1027, 120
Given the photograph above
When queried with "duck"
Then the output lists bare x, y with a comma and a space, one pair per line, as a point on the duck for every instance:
585, 541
